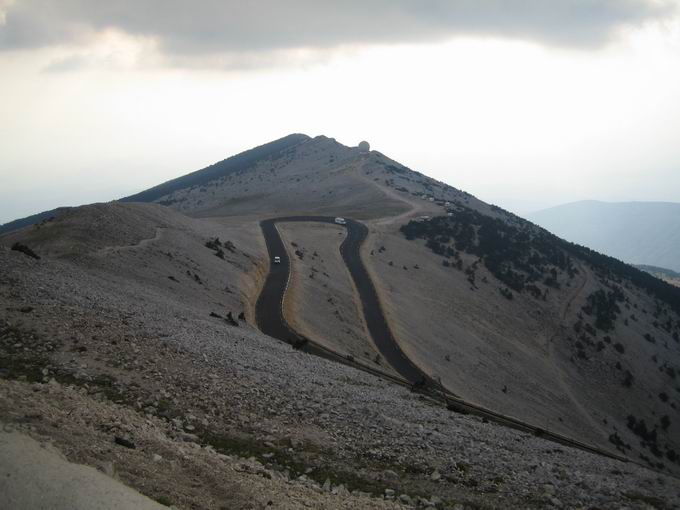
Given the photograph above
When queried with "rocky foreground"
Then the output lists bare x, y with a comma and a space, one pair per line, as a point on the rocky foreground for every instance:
195, 412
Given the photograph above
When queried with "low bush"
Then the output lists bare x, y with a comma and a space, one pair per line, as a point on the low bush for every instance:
22, 248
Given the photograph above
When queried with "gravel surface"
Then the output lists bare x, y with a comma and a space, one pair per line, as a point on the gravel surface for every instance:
221, 416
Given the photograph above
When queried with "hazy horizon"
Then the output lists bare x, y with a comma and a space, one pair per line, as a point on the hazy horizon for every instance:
523, 212
526, 107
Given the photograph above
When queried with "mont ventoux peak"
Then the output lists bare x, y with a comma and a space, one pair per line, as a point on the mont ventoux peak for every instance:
410, 324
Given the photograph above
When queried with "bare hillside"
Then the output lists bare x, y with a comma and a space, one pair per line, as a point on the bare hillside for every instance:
145, 310
315, 175
144, 377
503, 313
518, 320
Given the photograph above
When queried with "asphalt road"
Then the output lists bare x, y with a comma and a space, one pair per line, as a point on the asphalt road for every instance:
270, 320
269, 307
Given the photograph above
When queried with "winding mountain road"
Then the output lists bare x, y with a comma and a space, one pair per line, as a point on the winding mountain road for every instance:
269, 308
269, 318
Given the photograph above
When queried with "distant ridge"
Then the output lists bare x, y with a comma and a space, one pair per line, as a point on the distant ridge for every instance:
667, 275
635, 232
660, 270
225, 167
11, 226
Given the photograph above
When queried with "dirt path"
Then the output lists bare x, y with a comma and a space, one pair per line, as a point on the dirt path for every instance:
416, 207
141, 244
550, 347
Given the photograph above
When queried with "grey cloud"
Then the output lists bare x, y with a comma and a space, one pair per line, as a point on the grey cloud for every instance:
212, 27
67, 64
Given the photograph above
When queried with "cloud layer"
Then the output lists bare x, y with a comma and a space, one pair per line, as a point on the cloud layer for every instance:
184, 28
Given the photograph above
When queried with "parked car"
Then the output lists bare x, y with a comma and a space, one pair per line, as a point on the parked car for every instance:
277, 260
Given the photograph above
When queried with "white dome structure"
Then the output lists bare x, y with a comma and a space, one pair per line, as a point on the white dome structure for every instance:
364, 146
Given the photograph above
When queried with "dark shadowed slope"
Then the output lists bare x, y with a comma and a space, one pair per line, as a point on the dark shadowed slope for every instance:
11, 226
225, 167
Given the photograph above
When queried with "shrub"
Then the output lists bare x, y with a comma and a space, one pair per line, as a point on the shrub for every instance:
618, 442
517, 252
505, 292
628, 379
534, 291
216, 245
164, 500
22, 248
213, 244
605, 308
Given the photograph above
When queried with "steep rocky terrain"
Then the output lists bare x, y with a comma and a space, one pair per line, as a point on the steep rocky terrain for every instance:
140, 316
143, 381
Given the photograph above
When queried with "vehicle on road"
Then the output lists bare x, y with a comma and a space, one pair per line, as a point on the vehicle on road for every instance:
277, 260
340, 221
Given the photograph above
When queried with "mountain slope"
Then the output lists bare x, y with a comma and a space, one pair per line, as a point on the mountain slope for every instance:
20, 223
635, 232
103, 349
505, 314
313, 175
233, 165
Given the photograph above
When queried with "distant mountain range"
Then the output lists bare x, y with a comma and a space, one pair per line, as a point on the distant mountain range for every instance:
667, 275
636, 232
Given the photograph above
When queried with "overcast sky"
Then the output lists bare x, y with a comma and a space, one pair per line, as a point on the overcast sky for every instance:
524, 103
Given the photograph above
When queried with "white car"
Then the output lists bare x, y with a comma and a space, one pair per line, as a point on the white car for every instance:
277, 260
340, 221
